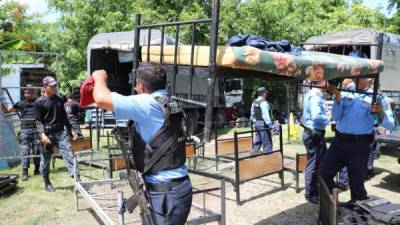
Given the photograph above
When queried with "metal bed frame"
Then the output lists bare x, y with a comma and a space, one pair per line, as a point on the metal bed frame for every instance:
239, 160
115, 190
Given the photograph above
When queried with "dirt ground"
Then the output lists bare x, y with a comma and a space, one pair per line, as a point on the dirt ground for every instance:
263, 200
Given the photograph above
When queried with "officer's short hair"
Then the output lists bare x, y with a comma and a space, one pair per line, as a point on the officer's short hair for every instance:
152, 75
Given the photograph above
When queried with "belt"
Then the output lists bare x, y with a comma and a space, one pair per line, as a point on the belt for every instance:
54, 127
167, 185
352, 137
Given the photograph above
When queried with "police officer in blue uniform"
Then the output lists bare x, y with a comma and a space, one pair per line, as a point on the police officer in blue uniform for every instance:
314, 122
170, 190
260, 114
354, 133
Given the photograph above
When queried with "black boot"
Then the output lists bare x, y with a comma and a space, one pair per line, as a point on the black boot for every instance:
36, 171
25, 174
47, 184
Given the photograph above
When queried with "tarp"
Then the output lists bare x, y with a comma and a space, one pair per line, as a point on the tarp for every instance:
124, 41
354, 36
367, 36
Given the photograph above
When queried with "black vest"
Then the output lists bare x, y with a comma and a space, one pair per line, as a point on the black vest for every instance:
257, 110
166, 149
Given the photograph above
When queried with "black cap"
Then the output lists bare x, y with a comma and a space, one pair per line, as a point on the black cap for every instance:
49, 81
261, 90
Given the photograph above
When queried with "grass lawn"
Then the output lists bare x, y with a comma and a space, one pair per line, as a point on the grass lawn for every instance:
32, 205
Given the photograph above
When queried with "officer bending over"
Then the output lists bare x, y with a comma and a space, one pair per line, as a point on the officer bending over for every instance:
260, 114
54, 129
170, 190
354, 135
28, 134
314, 121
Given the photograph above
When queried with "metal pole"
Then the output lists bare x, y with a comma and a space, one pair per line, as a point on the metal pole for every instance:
97, 130
192, 62
380, 46
135, 52
175, 60
223, 203
288, 111
212, 70
120, 206
237, 176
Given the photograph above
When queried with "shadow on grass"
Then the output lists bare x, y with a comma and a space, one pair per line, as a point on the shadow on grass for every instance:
389, 151
95, 216
390, 182
275, 190
304, 214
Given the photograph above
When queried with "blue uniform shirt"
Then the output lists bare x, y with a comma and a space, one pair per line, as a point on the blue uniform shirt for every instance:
264, 111
353, 115
147, 114
314, 110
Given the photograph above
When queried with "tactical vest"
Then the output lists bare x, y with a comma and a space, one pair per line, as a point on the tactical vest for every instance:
166, 149
257, 109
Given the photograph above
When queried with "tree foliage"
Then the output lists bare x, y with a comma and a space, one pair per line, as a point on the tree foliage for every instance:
273, 19
17, 29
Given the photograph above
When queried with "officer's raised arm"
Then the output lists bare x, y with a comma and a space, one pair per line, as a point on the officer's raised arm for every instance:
385, 112
101, 93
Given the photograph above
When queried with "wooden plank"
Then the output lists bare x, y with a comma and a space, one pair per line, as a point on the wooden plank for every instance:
302, 162
227, 146
118, 163
78, 145
190, 150
260, 165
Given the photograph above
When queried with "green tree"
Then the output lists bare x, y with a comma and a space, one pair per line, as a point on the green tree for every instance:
17, 29
394, 4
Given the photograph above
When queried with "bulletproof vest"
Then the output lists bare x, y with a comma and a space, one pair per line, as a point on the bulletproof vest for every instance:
166, 149
381, 209
257, 110
28, 114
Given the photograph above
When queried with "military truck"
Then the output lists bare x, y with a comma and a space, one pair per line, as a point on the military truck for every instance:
113, 52
366, 40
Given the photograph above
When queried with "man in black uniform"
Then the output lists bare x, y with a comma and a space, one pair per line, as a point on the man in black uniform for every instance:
72, 108
54, 129
28, 134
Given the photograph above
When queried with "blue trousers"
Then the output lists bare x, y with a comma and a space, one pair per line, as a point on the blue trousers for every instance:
76, 127
262, 137
29, 146
316, 148
172, 207
63, 141
343, 175
351, 154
